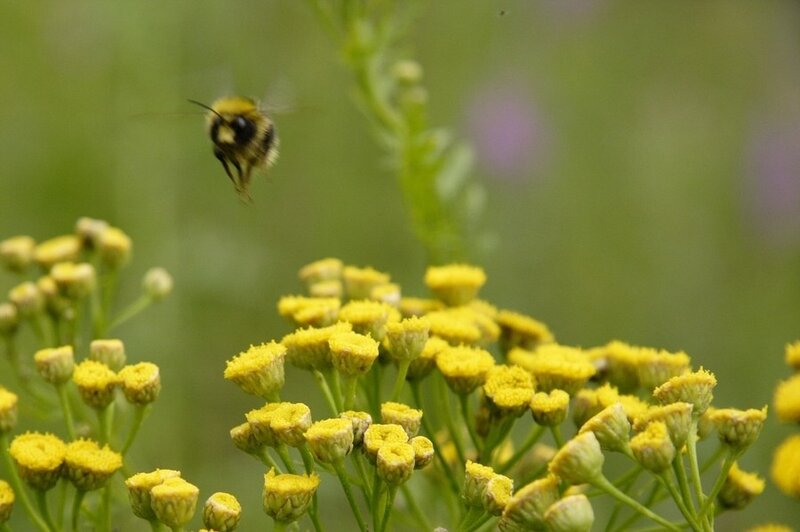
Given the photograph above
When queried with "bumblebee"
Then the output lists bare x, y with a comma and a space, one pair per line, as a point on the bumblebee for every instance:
244, 138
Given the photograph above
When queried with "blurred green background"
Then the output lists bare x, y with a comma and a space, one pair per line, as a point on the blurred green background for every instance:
641, 162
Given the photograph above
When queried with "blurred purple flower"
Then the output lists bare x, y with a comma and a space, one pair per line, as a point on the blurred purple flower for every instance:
773, 197
507, 132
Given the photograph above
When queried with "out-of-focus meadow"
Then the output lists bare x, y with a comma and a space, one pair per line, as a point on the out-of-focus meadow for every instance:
641, 162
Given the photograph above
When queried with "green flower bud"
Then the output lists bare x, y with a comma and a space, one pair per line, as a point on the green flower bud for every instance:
157, 283
287, 497
330, 440
139, 486
174, 501
222, 512
55, 364
579, 461
570, 514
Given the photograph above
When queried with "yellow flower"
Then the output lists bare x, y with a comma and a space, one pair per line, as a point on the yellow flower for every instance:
452, 327
388, 293
89, 229
526, 508
787, 400
556, 366
28, 299
695, 388
579, 461
407, 338
655, 367
421, 366
290, 423
287, 497
330, 440
611, 428
88, 466
464, 368
261, 421
352, 354
519, 330
110, 352
360, 421
174, 501
405, 416
332, 288
39, 458
74, 280
771, 527
16, 253
139, 486
423, 451
95, 383
476, 480
55, 364
6, 501
221, 512
417, 306
739, 489
621, 364
114, 247
308, 348
588, 402
455, 284
321, 270
549, 409
58, 249
378, 435
653, 448
141, 383
9, 318
571, 514
786, 466
793, 355
314, 311
259, 370
359, 282
509, 389
498, 494
8, 410
676, 416
369, 317
245, 439
395, 462
739, 428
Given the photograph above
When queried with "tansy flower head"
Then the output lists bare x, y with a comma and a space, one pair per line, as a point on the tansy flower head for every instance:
287, 497
378, 435
579, 461
611, 428
590, 401
498, 494
395, 463
58, 249
653, 448
705, 424
405, 416
793, 355
417, 306
308, 348
330, 439
559, 367
360, 421
56, 305
739, 428
739, 489
39, 458
9, 318
421, 366
771, 527
695, 388
74, 280
245, 439
114, 247
476, 479
321, 270
314, 311
16, 253
331, 288
452, 327
549, 409
28, 299
6, 501
787, 400
290, 422
157, 283
221, 512
509, 389
88, 466
407, 338
369, 317
261, 419
141, 383
464, 368
388, 293
89, 229
525, 510
55, 364
8, 410
352, 354
259, 370
359, 282
676, 416
96, 383
785, 469
571, 514
621, 365
110, 352
423, 451
139, 486
174, 501
455, 284
655, 367
519, 330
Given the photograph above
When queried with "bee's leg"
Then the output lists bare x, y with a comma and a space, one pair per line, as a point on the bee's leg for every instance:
239, 176
244, 189
221, 156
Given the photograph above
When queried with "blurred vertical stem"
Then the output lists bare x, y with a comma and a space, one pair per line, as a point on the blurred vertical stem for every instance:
431, 169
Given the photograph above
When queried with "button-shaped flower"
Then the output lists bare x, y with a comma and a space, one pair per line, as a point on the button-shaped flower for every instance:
696, 388
525, 510
55, 364
141, 383
330, 440
653, 448
405, 416
407, 338
308, 348
352, 354
739, 428
16, 253
174, 501
221, 512
509, 390
571, 514
549, 409
359, 282
109, 351
287, 497
739, 489
259, 370
395, 463
423, 451
378, 435
6, 501
455, 284
96, 383
8, 410
139, 486
89, 466
39, 459
58, 249
464, 368
519, 330
655, 367
579, 461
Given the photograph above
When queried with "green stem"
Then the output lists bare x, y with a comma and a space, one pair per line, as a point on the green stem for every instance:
455, 434
109, 287
366, 487
41, 502
322, 383
555, 430
155, 525
63, 400
130, 311
285, 458
472, 516
378, 502
463, 401
350, 387
76, 509
480, 522
104, 421
416, 511
603, 483
266, 458
342, 474
625, 483
139, 413
652, 498
426, 424
683, 482
391, 493
280, 526
377, 377
495, 437
105, 509
402, 371
730, 460
308, 459
679, 501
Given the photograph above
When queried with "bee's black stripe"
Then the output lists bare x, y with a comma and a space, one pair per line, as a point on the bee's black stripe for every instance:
269, 138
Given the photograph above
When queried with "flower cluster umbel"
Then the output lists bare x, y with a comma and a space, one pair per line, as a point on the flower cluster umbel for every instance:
63, 302
462, 374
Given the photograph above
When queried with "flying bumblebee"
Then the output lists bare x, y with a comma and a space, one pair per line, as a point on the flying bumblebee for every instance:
244, 138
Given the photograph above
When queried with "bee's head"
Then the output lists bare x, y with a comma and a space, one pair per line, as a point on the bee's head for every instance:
229, 120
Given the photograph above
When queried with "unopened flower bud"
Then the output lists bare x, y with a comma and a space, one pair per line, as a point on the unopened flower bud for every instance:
8, 410
28, 299
39, 459
476, 479
139, 486
89, 230
571, 514
579, 461
785, 470
88, 466
9, 318
59, 249
695, 388
259, 370
395, 463
330, 440
245, 439
114, 247
174, 501
611, 427
739, 428
287, 497
677, 417
352, 354
653, 448
141, 383
321, 271
360, 421
110, 352
405, 416
423, 451
222, 512
16, 253
407, 72
157, 283
497, 494
526, 508
55, 364
739, 489
406, 339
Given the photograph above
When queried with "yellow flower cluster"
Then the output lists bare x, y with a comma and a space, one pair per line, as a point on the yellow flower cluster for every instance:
786, 460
